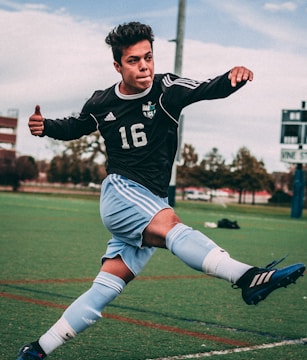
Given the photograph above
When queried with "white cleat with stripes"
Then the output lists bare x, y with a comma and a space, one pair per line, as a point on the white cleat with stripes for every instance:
258, 283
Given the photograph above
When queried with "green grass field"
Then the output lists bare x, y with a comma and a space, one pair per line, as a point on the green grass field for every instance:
50, 251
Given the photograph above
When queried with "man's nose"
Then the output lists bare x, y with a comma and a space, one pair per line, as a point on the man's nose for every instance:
143, 65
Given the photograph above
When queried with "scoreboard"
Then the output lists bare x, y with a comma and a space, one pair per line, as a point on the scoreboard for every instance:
294, 132
294, 127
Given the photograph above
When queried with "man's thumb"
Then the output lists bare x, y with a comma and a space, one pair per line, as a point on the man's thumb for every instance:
38, 110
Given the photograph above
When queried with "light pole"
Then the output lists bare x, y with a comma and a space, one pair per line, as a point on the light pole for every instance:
178, 69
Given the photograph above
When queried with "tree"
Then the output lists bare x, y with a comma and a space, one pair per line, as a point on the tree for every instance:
42, 166
189, 156
214, 172
89, 147
8, 174
249, 174
14, 171
213, 160
26, 168
59, 170
185, 171
79, 161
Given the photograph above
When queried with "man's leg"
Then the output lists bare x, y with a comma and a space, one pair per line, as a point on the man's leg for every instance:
84, 311
192, 247
201, 253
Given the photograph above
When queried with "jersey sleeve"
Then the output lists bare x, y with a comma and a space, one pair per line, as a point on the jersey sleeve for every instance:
180, 92
72, 127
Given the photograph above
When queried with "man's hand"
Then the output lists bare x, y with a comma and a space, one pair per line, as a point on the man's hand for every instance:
36, 122
238, 74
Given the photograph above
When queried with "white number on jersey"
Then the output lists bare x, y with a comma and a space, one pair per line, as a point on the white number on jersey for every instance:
138, 137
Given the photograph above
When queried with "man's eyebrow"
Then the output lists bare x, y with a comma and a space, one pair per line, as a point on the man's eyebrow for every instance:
138, 56
133, 57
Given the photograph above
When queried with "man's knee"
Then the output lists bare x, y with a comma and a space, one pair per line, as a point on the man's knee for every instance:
117, 267
156, 231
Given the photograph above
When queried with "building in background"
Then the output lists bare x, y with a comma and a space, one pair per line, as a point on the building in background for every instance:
8, 135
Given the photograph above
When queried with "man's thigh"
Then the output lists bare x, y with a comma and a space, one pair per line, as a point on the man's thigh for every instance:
127, 208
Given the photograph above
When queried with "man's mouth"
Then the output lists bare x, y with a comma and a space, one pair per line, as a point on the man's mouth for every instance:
144, 77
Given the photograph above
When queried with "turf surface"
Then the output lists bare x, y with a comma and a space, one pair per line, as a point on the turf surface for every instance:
50, 251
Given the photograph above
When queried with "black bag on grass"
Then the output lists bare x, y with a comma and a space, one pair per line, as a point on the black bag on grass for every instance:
227, 224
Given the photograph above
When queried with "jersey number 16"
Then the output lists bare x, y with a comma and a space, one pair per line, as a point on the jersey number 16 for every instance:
138, 136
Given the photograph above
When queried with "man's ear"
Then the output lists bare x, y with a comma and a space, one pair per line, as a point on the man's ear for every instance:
117, 66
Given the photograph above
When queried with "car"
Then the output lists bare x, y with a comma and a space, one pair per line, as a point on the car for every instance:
197, 195
94, 186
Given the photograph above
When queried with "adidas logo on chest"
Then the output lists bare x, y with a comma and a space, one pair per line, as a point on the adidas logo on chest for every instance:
110, 117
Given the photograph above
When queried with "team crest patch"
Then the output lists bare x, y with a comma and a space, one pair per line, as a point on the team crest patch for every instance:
149, 110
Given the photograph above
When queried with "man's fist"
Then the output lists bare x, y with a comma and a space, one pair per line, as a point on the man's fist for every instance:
238, 74
36, 122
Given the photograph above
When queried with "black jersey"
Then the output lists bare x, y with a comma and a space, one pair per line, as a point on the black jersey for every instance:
140, 130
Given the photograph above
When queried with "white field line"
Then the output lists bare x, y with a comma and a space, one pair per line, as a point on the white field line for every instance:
235, 350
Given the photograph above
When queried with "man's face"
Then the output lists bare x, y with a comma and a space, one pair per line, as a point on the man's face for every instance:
136, 69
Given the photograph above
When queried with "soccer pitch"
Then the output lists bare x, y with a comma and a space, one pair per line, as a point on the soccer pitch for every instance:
50, 252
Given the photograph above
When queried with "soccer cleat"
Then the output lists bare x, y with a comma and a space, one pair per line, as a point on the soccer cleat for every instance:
258, 283
29, 352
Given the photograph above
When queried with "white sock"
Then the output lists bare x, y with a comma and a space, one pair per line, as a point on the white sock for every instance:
218, 263
56, 336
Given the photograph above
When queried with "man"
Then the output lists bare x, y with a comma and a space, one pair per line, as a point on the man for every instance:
138, 119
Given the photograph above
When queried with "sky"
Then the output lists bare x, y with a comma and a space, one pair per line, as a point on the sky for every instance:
53, 54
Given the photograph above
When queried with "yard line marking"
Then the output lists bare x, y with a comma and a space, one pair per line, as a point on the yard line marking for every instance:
77, 280
175, 330
147, 324
32, 301
44, 281
302, 341
157, 313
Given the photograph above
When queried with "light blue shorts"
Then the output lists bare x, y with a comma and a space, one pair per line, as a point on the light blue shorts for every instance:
126, 208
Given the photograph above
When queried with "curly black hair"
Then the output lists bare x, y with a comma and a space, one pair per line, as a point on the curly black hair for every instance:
126, 35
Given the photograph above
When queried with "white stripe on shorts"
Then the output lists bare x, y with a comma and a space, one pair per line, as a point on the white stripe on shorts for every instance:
136, 197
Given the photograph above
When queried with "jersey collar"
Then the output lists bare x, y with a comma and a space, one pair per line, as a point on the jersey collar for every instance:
133, 96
